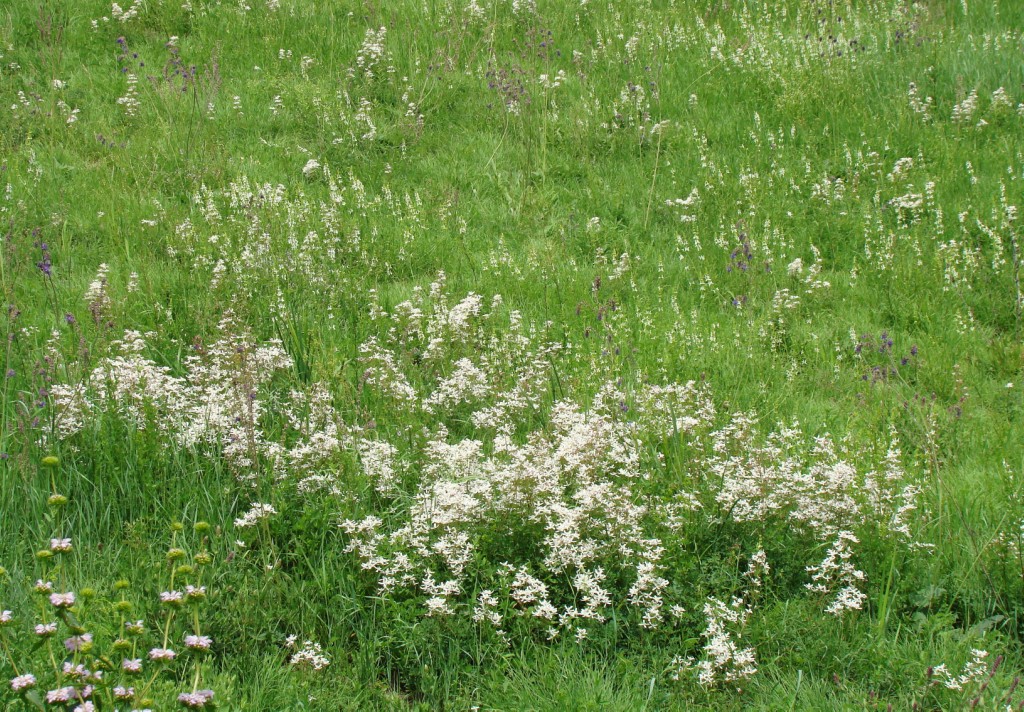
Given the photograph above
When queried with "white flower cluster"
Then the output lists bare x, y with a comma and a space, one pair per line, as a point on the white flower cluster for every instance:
125, 15
257, 513
309, 654
458, 355
130, 100
963, 112
569, 494
836, 574
372, 53
217, 400
974, 669
818, 490
723, 659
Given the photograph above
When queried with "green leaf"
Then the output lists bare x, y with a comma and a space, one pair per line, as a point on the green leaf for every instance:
32, 697
981, 626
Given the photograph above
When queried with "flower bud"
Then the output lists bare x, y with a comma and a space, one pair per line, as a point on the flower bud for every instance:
175, 554
177, 526
51, 461
202, 527
123, 606
121, 584
44, 554
203, 558
88, 593
57, 500
184, 570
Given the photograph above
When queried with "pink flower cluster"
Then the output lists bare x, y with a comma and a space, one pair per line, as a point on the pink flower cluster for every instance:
197, 699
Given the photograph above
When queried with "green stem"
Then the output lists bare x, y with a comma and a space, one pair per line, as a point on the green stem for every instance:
7, 652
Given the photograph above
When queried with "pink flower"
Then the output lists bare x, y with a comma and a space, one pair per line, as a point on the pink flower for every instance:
131, 665
197, 699
171, 597
198, 642
60, 545
162, 654
23, 682
77, 671
124, 693
6, 617
63, 694
78, 642
46, 629
62, 600
43, 586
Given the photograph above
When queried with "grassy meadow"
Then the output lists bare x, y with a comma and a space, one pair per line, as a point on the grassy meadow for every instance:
512, 355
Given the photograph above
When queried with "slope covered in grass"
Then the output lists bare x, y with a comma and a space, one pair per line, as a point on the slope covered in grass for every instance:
511, 355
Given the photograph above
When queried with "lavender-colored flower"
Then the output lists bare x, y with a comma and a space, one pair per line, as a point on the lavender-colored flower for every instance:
62, 600
23, 682
85, 707
171, 597
135, 627
6, 617
162, 654
131, 665
43, 586
83, 674
46, 629
124, 693
885, 344
62, 694
197, 699
60, 545
78, 642
198, 642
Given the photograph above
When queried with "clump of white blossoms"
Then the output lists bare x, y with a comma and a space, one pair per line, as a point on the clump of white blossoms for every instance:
816, 489
514, 504
974, 670
217, 400
837, 575
723, 660
570, 492
257, 513
308, 655
371, 55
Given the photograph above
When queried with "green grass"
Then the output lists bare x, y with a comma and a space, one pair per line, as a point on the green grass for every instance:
442, 150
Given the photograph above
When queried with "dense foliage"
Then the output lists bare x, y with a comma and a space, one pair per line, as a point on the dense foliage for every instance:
511, 354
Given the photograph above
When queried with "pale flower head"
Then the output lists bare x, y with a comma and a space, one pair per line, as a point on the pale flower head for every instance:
23, 682
62, 600
165, 654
